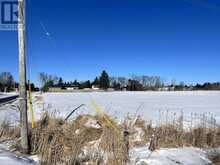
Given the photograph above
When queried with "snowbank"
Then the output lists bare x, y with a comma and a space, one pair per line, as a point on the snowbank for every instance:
9, 158
183, 156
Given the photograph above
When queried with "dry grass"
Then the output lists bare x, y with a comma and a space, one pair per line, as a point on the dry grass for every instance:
8, 131
77, 142
215, 159
59, 142
172, 134
39, 98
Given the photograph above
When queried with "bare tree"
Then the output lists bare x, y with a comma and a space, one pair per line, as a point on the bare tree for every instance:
43, 78
112, 80
6, 81
173, 82
182, 84
123, 81
47, 80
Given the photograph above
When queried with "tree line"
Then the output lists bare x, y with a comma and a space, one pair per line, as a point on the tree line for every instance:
8, 84
131, 83
48, 80
104, 82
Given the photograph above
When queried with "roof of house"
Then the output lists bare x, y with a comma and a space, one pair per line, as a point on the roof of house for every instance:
64, 85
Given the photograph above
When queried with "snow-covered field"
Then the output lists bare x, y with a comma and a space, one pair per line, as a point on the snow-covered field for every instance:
146, 104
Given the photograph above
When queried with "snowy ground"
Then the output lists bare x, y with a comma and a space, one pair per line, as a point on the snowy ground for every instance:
139, 156
9, 158
6, 94
147, 104
183, 156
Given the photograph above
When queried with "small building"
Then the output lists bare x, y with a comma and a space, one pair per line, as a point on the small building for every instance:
164, 89
167, 88
55, 89
110, 89
86, 89
95, 87
70, 88
124, 88
172, 88
63, 88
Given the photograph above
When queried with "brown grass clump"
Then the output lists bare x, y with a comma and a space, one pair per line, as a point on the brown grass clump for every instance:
39, 98
215, 158
169, 136
172, 134
8, 131
140, 132
59, 142
112, 142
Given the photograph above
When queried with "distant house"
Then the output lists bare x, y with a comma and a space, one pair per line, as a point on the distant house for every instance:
86, 89
172, 88
110, 89
72, 87
95, 87
167, 88
164, 89
124, 88
57, 88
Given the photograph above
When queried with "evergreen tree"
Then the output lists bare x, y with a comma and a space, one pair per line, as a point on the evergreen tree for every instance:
60, 82
104, 80
88, 84
96, 81
134, 85
85, 84
76, 83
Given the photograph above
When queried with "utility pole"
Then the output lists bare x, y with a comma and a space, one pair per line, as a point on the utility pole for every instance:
22, 77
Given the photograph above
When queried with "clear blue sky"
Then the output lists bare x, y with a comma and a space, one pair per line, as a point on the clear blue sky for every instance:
171, 38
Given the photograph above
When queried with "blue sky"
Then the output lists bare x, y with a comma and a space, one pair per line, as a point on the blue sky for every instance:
79, 38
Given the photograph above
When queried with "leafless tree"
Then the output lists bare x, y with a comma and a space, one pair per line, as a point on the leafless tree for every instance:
6, 81
47, 80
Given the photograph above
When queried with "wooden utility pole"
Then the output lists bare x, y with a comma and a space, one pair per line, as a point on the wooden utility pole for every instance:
22, 76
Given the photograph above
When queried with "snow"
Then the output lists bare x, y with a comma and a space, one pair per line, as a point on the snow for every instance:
2, 95
5, 94
10, 113
92, 123
10, 158
139, 156
146, 104
183, 156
